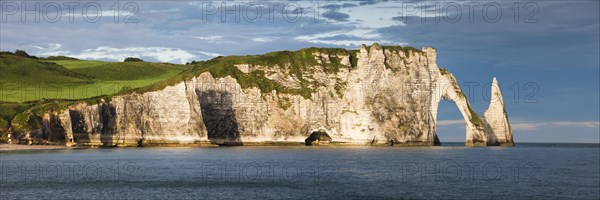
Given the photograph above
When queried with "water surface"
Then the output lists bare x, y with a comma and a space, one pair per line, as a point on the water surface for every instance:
534, 171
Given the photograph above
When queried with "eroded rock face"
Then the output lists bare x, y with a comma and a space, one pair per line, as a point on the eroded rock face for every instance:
153, 118
390, 97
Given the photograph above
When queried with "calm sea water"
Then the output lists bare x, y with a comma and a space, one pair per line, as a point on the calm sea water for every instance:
526, 171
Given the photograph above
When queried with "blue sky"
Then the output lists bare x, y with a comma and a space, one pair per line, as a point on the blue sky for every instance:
545, 56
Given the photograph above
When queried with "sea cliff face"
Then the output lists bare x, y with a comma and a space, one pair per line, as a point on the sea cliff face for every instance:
379, 96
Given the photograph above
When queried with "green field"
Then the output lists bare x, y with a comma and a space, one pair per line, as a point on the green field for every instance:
74, 64
25, 79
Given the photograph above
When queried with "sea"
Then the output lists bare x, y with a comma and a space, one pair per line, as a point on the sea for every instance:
451, 171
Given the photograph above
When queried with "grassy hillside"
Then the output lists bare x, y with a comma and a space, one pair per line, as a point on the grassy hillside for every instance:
26, 79
74, 64
127, 70
31, 71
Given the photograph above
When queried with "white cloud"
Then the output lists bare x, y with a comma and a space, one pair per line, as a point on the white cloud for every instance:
165, 10
207, 53
362, 33
373, 16
209, 38
92, 14
362, 36
214, 39
162, 54
584, 124
49, 49
525, 126
531, 126
450, 122
360, 27
263, 39
345, 42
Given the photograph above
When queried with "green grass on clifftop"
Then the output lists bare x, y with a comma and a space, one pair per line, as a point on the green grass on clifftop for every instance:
300, 64
27, 79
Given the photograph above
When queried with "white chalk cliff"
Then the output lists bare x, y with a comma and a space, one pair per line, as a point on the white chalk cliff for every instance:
376, 96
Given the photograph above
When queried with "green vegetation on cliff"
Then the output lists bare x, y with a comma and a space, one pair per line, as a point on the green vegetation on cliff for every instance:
8, 111
300, 64
297, 62
30, 118
444, 71
285, 103
405, 49
475, 118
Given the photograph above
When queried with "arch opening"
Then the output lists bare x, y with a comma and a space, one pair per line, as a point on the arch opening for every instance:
450, 126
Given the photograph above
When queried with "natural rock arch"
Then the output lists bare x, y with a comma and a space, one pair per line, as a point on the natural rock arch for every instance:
479, 131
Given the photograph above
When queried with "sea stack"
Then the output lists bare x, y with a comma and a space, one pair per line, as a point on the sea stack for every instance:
497, 126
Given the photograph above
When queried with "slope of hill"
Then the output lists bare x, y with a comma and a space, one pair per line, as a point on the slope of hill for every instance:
27, 79
128, 71
29, 71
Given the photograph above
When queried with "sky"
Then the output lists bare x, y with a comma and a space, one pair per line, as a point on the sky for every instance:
545, 54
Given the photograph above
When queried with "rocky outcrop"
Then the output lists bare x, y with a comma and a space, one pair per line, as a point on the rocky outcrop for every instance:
373, 96
496, 119
318, 137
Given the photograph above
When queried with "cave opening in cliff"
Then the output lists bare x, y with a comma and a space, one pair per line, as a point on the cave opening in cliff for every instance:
219, 118
450, 126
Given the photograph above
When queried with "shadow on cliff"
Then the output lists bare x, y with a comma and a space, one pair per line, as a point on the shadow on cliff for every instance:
78, 127
108, 116
53, 131
492, 139
219, 117
101, 132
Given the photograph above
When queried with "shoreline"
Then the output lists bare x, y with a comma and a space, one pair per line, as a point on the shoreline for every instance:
22, 147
